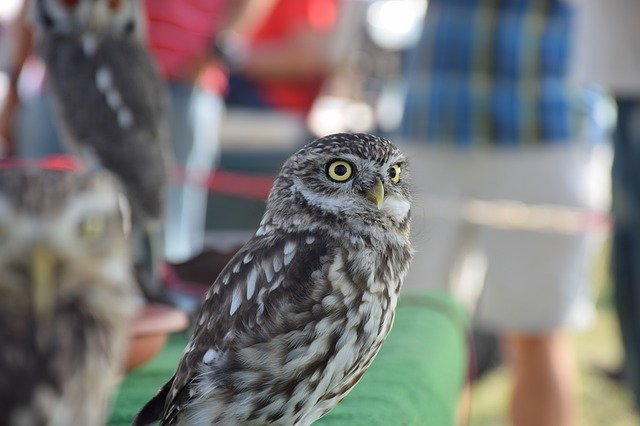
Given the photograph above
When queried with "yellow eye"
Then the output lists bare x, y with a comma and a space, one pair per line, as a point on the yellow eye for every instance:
92, 228
339, 171
394, 173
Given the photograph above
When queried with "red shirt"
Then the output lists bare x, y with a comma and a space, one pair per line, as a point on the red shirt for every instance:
179, 32
287, 17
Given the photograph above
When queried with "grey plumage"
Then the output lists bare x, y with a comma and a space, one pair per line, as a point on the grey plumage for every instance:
111, 107
297, 316
66, 295
109, 98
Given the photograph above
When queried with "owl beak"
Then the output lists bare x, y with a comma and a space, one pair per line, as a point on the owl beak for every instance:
375, 194
42, 280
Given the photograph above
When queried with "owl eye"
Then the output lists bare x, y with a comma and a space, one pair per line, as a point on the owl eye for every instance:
394, 173
70, 3
92, 228
115, 4
339, 171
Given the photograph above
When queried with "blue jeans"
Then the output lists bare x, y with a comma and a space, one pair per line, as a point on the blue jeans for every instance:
625, 262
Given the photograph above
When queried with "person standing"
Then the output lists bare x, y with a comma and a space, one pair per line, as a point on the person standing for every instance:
610, 57
493, 126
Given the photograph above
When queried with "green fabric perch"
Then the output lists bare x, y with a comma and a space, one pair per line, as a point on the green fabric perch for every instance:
415, 379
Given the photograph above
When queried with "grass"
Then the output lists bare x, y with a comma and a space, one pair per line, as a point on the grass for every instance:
601, 401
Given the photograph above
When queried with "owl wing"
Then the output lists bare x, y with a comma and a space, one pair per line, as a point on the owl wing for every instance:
268, 289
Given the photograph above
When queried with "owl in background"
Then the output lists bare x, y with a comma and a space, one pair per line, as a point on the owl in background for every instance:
67, 295
297, 316
110, 104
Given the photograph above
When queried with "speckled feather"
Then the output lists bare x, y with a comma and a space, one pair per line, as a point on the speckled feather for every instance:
296, 317
60, 368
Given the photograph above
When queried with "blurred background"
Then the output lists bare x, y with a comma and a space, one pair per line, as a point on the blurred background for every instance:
349, 60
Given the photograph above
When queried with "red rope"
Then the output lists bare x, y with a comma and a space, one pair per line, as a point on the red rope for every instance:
239, 184
52, 162
223, 182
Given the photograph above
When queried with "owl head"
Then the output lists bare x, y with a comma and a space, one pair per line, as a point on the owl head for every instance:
344, 178
63, 242
99, 18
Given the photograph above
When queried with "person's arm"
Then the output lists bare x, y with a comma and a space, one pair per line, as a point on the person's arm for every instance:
302, 55
240, 19
21, 46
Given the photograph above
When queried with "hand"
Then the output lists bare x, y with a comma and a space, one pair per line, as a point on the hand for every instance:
200, 65
7, 121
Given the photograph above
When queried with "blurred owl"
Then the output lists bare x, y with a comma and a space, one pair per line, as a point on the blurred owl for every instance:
66, 295
109, 99
297, 316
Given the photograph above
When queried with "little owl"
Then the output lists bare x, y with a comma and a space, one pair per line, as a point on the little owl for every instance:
66, 295
297, 316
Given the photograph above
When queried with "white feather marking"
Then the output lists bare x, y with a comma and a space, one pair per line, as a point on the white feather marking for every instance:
104, 80
235, 301
125, 212
290, 247
225, 279
396, 207
330, 300
236, 268
267, 269
277, 283
125, 118
247, 258
261, 294
89, 44
251, 282
210, 356
113, 98
277, 263
288, 256
310, 239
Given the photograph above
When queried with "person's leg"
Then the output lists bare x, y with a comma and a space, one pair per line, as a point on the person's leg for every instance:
543, 376
536, 275
181, 141
626, 236
37, 132
206, 111
195, 123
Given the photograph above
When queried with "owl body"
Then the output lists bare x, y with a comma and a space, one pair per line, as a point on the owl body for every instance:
111, 108
109, 99
112, 111
297, 316
66, 295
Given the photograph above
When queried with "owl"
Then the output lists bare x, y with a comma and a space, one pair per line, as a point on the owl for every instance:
297, 316
109, 100
66, 295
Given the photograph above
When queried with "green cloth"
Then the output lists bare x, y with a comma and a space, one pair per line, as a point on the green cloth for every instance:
415, 379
